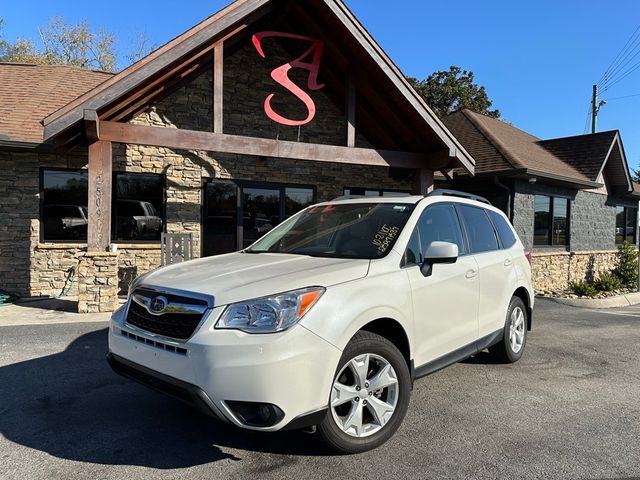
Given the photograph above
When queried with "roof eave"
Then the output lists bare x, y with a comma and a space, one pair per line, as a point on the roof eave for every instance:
347, 18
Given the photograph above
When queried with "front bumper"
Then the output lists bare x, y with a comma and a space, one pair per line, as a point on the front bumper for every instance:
292, 370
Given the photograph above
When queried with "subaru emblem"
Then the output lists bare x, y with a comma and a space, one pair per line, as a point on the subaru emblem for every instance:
158, 305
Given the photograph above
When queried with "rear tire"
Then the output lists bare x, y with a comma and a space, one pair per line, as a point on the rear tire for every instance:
362, 417
511, 347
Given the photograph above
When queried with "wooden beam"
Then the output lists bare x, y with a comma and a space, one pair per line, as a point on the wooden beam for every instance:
218, 87
222, 143
91, 125
100, 173
423, 181
351, 112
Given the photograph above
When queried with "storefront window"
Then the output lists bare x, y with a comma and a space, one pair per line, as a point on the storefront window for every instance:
551, 221
261, 207
626, 224
138, 207
64, 205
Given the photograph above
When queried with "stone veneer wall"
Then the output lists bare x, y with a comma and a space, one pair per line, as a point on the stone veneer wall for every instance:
97, 282
553, 271
28, 266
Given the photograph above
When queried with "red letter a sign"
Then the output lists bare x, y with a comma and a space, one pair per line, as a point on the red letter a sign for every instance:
281, 75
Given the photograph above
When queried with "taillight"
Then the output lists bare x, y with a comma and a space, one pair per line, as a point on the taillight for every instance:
527, 254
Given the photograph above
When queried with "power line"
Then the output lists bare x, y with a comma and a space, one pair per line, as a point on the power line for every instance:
620, 98
586, 123
628, 72
621, 56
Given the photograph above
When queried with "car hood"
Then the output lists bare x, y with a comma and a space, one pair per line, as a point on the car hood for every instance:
238, 276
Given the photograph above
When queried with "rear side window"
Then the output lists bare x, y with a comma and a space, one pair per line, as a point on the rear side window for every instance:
482, 237
505, 233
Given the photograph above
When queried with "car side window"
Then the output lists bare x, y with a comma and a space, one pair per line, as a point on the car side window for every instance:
439, 223
482, 236
505, 232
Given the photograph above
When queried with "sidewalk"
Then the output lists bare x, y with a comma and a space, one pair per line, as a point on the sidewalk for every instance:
47, 312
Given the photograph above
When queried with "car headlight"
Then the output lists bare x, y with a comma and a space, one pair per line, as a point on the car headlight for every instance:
270, 314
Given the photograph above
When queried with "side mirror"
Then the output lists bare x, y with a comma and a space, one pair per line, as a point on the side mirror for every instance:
438, 252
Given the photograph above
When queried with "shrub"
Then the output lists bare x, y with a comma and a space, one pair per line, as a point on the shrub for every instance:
583, 288
627, 265
608, 282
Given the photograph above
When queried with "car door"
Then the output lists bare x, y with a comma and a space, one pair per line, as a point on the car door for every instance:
445, 302
496, 268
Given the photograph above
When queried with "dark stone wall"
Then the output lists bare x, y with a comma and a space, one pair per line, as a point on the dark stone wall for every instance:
592, 217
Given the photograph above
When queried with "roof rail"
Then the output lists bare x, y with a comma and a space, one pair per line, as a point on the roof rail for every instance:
347, 197
441, 192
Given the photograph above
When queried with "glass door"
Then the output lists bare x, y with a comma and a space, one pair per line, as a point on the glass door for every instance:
261, 210
237, 214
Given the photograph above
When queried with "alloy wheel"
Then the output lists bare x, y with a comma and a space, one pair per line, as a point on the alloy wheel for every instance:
364, 395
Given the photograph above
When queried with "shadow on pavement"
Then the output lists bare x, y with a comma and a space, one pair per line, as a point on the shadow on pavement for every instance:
46, 303
72, 406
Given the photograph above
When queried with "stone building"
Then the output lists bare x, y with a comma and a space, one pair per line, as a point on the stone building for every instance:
260, 110
225, 131
571, 200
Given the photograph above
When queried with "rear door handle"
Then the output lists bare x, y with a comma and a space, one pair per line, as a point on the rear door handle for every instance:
473, 273
508, 262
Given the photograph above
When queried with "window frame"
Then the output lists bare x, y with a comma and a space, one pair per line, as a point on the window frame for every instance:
114, 208
41, 206
240, 185
634, 235
550, 243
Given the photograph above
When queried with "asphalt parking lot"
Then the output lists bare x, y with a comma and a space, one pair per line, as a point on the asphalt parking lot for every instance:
570, 409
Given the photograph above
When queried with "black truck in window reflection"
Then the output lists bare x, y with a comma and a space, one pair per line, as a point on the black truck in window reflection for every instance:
137, 220
65, 222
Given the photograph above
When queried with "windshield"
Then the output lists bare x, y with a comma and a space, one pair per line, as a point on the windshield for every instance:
353, 230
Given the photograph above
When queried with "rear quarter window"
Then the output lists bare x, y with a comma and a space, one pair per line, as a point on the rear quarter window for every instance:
482, 236
505, 232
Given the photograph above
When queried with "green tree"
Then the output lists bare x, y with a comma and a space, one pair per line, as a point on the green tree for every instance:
448, 91
61, 43
635, 175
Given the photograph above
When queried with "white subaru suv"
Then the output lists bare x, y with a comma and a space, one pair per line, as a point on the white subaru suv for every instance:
328, 319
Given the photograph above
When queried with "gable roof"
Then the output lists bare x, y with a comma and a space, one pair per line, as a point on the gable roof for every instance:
500, 147
215, 27
30, 92
586, 153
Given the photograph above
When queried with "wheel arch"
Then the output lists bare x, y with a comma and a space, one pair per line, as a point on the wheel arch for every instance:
523, 294
393, 331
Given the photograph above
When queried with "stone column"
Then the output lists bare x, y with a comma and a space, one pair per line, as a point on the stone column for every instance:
97, 282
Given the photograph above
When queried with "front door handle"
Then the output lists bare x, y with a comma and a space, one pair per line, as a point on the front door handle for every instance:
508, 262
473, 273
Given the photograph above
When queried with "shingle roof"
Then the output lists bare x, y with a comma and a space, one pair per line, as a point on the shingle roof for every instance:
28, 93
498, 146
586, 153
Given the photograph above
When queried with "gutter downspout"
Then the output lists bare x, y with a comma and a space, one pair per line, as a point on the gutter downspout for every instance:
502, 186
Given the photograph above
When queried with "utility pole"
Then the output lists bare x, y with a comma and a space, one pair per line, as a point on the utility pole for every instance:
595, 109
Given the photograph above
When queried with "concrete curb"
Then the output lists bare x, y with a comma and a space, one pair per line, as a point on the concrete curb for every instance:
611, 302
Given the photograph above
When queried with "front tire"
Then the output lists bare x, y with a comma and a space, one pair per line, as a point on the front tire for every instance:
511, 347
369, 397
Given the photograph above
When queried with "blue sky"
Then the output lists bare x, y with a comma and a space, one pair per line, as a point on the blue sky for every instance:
538, 60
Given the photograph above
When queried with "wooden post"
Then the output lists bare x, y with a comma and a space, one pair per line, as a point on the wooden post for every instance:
100, 173
351, 112
423, 182
218, 87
